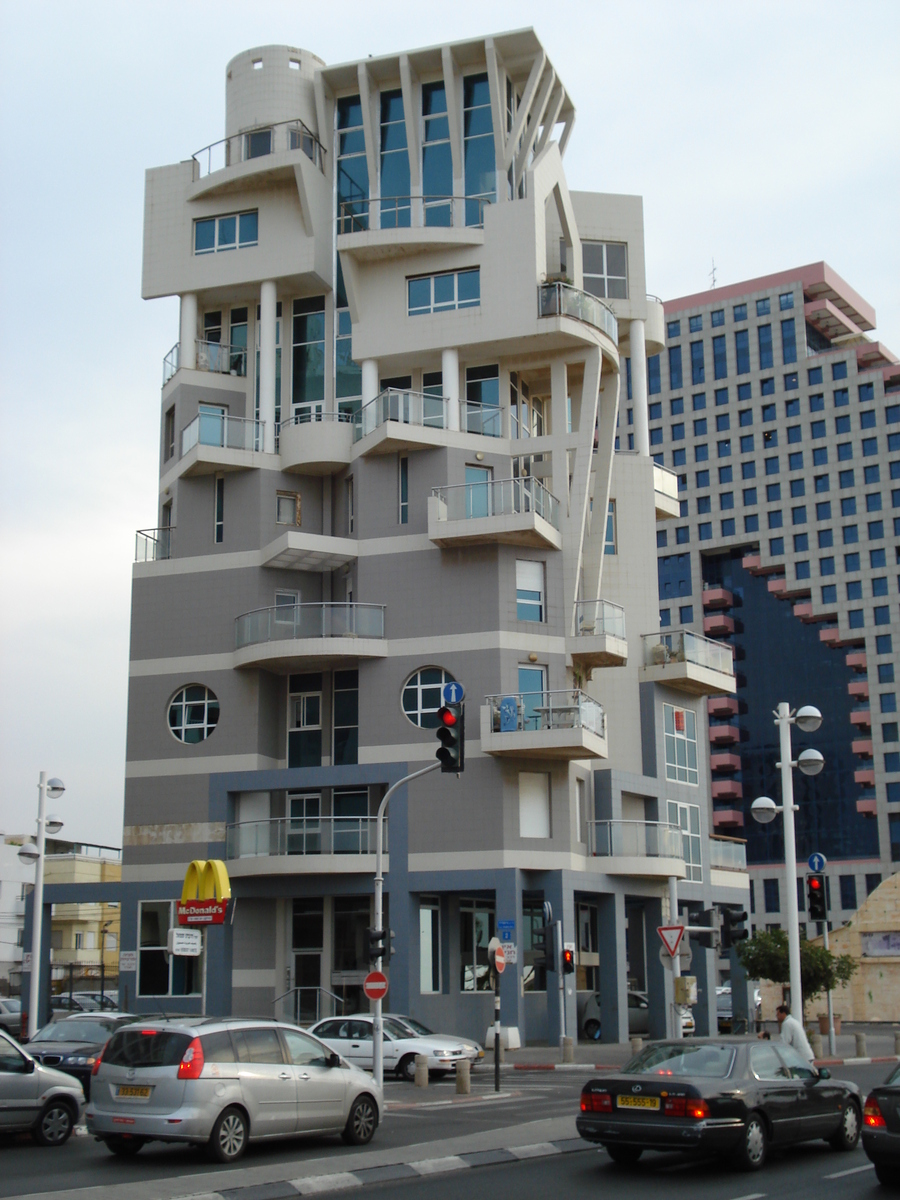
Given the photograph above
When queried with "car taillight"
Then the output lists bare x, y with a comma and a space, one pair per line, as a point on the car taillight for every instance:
596, 1102
685, 1106
192, 1063
872, 1115
97, 1061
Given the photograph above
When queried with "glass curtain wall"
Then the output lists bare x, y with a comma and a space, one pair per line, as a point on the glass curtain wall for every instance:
352, 170
395, 202
437, 164
478, 148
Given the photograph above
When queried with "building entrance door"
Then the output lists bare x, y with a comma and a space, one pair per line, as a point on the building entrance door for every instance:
307, 981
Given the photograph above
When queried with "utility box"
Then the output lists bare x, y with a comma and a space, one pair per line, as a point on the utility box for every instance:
686, 989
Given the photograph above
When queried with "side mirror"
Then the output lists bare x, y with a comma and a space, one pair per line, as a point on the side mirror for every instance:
824, 1073
333, 1060
28, 1068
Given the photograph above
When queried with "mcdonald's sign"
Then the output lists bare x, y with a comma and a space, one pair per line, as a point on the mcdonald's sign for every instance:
205, 895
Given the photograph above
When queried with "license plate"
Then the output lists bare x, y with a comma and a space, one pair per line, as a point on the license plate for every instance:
127, 1092
637, 1102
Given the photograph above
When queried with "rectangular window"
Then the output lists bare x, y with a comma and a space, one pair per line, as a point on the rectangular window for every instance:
429, 945
219, 526
476, 928
720, 362
529, 590
673, 329
227, 232
786, 301
169, 434
395, 189
308, 358
287, 508
680, 726
675, 376
770, 892
437, 165
403, 489
764, 335
687, 818
763, 307
739, 312
350, 512
158, 973
698, 371
788, 341
346, 721
848, 891
604, 270
443, 293
609, 546
352, 167
479, 160
717, 317
654, 382
742, 351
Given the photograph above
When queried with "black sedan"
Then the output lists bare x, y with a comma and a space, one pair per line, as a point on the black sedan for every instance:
73, 1043
881, 1129
727, 1096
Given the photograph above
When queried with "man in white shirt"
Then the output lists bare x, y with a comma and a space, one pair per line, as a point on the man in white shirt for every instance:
792, 1033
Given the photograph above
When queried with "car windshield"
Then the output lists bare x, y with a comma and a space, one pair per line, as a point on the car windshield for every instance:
12, 1005
395, 1028
678, 1059
416, 1026
74, 1031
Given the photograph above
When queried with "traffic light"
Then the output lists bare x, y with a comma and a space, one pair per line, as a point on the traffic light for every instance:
816, 905
732, 926
710, 917
377, 939
452, 736
568, 961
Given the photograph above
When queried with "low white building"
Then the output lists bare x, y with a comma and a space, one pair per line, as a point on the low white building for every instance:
14, 876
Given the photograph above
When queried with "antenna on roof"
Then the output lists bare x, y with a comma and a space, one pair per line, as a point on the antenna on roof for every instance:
712, 273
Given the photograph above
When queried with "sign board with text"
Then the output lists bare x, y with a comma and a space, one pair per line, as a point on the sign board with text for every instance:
127, 960
186, 943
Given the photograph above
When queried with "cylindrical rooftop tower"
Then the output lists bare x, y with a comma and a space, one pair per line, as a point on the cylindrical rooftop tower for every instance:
270, 84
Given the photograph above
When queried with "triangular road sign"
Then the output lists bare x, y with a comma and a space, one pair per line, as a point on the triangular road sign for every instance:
671, 937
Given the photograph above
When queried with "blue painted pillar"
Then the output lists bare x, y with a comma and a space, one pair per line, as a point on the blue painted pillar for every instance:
558, 890
44, 998
508, 898
613, 968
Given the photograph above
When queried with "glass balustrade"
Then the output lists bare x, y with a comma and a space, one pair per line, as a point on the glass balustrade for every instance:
681, 645
302, 836
408, 408
497, 498
635, 839
563, 300
295, 621
534, 712
593, 617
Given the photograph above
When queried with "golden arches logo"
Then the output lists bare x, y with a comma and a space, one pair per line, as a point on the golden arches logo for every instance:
205, 894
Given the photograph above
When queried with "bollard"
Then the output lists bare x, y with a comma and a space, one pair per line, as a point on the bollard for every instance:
568, 1050
815, 1041
860, 1045
637, 1045
463, 1078
421, 1070
897, 1043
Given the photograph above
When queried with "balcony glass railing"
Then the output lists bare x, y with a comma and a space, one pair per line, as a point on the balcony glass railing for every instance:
171, 363
593, 617
563, 300
218, 429
409, 408
151, 545
534, 712
302, 835
411, 212
680, 645
221, 358
729, 854
635, 839
291, 621
485, 419
497, 498
258, 143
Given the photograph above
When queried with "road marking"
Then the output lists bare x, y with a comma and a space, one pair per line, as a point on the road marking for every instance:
314, 1184
435, 1166
751, 1196
852, 1171
536, 1151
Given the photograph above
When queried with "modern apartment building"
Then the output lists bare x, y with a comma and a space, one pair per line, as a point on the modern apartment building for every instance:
387, 463
781, 416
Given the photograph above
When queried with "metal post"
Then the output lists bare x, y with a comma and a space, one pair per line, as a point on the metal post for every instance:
677, 1031
831, 1046
783, 721
378, 1047
497, 1031
558, 950
37, 913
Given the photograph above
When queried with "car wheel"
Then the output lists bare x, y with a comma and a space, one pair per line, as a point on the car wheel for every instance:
889, 1176
754, 1143
124, 1147
362, 1122
406, 1068
625, 1156
55, 1124
847, 1135
228, 1139
592, 1030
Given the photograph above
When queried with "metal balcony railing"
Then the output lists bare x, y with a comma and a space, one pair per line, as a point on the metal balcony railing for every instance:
292, 621
729, 854
221, 358
301, 836
497, 498
218, 429
635, 839
681, 645
485, 419
171, 363
151, 545
409, 408
411, 212
534, 712
259, 142
599, 616
563, 300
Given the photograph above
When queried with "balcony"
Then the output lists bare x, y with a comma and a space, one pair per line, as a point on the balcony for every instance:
214, 442
856, 660
665, 491
727, 818
260, 141
867, 807
296, 550
316, 443
323, 843
152, 545
688, 662
171, 363
397, 421
722, 706
293, 636
650, 849
724, 761
484, 419
599, 639
861, 717
862, 747
859, 689
559, 724
219, 358
562, 300
727, 854
716, 597
718, 624
375, 227
516, 512
865, 777
726, 789
724, 735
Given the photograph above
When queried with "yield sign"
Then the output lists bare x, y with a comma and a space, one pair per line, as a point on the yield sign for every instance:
671, 937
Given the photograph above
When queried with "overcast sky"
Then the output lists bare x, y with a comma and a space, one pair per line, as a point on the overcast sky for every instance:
763, 135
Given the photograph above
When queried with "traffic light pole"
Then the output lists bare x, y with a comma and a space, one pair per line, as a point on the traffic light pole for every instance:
677, 1031
831, 1047
378, 1047
783, 721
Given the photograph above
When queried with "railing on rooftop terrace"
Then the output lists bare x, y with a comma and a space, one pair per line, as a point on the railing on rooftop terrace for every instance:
681, 645
535, 712
497, 498
563, 300
635, 839
259, 142
411, 212
151, 545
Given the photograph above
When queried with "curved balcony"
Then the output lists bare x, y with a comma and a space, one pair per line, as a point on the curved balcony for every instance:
650, 849
293, 636
316, 443
558, 724
259, 142
688, 662
317, 845
517, 512
400, 420
214, 442
563, 300
599, 639
375, 226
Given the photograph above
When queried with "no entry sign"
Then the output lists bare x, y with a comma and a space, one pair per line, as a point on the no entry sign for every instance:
499, 960
375, 985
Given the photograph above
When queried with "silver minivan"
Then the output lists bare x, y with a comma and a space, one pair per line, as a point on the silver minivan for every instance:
223, 1083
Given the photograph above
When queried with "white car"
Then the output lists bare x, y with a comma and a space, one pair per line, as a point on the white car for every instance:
35, 1097
638, 1016
417, 1029
353, 1038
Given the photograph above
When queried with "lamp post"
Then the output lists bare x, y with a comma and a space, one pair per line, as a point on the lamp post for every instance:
764, 810
103, 930
53, 788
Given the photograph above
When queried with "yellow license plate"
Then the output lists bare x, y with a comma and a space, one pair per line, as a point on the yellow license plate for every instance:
637, 1102
132, 1093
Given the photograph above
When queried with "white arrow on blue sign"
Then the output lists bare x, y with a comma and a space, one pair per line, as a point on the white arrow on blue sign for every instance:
453, 693
817, 862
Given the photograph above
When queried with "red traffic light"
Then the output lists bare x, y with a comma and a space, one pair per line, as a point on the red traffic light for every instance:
568, 961
447, 716
815, 884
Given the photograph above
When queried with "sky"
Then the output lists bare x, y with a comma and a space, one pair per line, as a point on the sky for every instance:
760, 136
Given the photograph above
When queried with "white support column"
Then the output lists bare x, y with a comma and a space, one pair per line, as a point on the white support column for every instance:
369, 379
450, 384
188, 332
267, 310
639, 389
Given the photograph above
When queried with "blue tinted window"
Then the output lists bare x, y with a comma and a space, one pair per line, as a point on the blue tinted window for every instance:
698, 373
888, 703
665, 618
702, 479
826, 539
654, 411
717, 317
762, 307
739, 312
801, 543
798, 486
728, 527
880, 588
749, 495
682, 534
748, 470
821, 483
678, 431
817, 428
839, 370
679, 458
869, 447
764, 334
479, 164
786, 300
656, 436
892, 414
794, 434
791, 381
725, 474
856, 618
848, 506
775, 518
747, 443
877, 559
820, 456
823, 510
704, 503
700, 427
720, 362
751, 523
801, 569
841, 397
776, 546
662, 539
893, 442
798, 515
695, 324
704, 531
854, 590
772, 465
814, 376
673, 329
204, 236
723, 422
768, 412
675, 377
724, 447
817, 403
698, 401
721, 396
766, 387
654, 385
826, 566
876, 530
686, 614
788, 341
792, 407
845, 451
866, 392
851, 561
829, 592
726, 500
846, 478
742, 351
773, 492
884, 644
701, 452
676, 406
850, 534
873, 502
745, 416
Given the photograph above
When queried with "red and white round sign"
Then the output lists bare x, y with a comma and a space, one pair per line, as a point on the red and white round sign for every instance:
375, 985
499, 960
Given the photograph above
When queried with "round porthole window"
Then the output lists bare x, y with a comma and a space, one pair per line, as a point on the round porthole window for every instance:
422, 695
193, 713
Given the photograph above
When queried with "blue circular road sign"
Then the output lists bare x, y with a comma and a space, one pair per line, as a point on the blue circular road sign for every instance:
817, 862
453, 693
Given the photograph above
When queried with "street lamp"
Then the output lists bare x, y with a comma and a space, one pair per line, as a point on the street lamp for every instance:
764, 810
34, 854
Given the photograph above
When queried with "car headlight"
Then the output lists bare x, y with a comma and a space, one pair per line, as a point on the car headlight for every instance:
79, 1060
